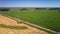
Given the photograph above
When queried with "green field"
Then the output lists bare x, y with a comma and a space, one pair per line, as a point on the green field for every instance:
46, 18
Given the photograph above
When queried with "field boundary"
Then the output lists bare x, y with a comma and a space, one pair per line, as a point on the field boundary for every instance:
40, 27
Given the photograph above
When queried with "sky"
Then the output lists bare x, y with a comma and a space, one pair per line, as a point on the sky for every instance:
29, 3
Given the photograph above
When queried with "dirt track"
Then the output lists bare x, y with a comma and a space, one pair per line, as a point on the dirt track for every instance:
8, 21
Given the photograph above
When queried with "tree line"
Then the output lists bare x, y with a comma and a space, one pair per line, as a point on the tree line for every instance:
7, 9
4, 9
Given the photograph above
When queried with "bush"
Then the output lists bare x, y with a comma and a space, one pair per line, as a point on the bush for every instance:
59, 11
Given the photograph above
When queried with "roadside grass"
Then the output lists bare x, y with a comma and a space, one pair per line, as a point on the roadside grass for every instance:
13, 27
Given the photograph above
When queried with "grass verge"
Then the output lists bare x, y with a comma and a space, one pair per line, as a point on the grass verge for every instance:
13, 27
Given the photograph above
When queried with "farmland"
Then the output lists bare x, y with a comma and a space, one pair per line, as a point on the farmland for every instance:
46, 18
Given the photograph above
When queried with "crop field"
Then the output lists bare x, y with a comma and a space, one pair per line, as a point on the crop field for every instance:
46, 18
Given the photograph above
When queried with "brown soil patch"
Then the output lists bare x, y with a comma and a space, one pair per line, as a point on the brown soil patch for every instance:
7, 21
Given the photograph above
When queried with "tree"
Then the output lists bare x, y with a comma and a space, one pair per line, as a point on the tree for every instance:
54, 8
